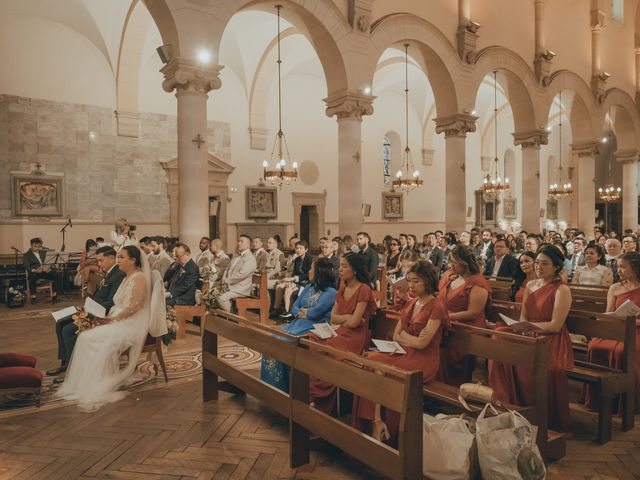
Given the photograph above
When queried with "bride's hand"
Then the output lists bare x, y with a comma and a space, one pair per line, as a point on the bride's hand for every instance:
101, 321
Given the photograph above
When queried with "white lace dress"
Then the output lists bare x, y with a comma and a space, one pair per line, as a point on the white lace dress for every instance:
95, 374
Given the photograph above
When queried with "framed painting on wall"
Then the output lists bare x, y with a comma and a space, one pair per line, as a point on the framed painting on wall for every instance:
509, 208
392, 206
37, 195
262, 202
552, 209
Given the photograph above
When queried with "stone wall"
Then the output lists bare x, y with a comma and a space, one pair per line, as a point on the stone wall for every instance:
105, 176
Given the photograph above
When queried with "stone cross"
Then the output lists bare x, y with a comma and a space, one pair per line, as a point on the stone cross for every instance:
198, 140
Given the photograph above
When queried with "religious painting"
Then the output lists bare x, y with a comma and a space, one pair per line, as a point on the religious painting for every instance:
509, 208
552, 209
262, 202
37, 195
392, 205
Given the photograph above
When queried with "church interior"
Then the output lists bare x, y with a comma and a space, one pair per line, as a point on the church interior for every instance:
275, 238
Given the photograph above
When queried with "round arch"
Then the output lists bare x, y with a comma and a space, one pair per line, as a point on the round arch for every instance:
625, 118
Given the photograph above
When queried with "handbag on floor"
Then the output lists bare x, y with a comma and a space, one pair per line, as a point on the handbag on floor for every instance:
448, 451
507, 448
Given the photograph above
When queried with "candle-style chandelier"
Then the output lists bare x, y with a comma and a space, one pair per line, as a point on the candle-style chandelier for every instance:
407, 178
276, 171
609, 193
494, 185
560, 190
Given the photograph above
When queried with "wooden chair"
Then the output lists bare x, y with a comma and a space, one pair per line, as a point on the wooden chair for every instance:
154, 344
260, 302
45, 286
185, 313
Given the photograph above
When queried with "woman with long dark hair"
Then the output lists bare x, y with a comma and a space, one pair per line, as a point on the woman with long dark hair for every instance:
525, 273
351, 313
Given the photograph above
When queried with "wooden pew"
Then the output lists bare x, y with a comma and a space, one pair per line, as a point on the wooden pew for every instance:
260, 302
380, 294
605, 382
398, 390
500, 288
588, 298
185, 313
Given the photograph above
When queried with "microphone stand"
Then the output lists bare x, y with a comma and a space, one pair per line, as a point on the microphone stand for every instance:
63, 230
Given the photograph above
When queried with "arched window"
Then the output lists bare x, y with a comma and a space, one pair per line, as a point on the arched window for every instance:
617, 10
386, 161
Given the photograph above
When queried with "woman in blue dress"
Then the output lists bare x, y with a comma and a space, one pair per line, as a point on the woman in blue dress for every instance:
312, 306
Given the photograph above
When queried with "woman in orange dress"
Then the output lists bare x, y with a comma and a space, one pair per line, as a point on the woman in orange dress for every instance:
546, 304
609, 352
354, 307
525, 274
419, 332
464, 292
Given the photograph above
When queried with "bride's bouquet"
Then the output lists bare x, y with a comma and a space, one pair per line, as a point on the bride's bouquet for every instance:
83, 320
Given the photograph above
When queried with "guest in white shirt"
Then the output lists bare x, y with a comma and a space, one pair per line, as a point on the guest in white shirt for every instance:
613, 247
237, 279
593, 272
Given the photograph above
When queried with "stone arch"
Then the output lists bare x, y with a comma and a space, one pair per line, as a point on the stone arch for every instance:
518, 82
438, 57
625, 118
165, 21
581, 107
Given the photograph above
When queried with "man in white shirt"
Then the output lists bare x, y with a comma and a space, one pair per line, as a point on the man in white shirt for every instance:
502, 264
237, 279
613, 248
577, 259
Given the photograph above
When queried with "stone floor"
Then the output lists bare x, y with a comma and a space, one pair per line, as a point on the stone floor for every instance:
169, 433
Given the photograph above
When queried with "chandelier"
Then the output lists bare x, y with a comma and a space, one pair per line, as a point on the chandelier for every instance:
407, 178
609, 193
560, 190
276, 171
494, 185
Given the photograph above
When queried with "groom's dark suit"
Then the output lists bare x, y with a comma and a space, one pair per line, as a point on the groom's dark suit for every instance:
66, 330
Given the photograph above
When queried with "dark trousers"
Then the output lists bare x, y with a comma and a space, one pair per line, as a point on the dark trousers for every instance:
55, 277
66, 331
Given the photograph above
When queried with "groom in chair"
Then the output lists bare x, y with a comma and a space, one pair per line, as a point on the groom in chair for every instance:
66, 330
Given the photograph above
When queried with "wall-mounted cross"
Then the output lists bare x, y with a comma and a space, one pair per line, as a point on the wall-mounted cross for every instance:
198, 140
356, 157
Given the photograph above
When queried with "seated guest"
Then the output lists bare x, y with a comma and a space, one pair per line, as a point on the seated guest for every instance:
123, 234
174, 267
66, 330
312, 306
433, 253
484, 249
203, 257
299, 276
419, 331
567, 271
594, 271
412, 242
391, 260
546, 304
101, 243
398, 284
144, 245
161, 259
33, 261
501, 264
348, 245
219, 262
337, 246
609, 352
238, 278
613, 247
526, 273
403, 241
88, 264
629, 244
465, 293
327, 252
373, 259
184, 282
352, 310
259, 253
532, 243
275, 262
578, 256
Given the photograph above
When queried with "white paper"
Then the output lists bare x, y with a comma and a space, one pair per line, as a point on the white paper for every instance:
627, 309
324, 331
388, 346
508, 320
64, 313
94, 308
511, 322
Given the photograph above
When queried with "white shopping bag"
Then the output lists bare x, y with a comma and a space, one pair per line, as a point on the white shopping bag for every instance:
447, 445
507, 447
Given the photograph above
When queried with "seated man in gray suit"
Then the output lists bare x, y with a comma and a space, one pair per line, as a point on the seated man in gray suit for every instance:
237, 279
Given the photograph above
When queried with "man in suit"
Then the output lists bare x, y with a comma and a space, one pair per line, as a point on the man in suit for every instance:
613, 247
34, 262
66, 330
184, 283
502, 264
275, 262
577, 259
203, 257
483, 251
219, 261
237, 279
432, 253
161, 259
373, 259
259, 253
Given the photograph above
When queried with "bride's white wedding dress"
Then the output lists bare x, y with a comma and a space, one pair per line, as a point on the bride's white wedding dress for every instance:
95, 374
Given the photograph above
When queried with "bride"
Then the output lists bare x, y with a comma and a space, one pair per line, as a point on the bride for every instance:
95, 375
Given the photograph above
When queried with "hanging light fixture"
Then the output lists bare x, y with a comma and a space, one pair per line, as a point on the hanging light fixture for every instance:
407, 178
276, 171
609, 193
560, 190
493, 186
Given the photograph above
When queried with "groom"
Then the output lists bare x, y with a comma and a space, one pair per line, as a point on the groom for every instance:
66, 330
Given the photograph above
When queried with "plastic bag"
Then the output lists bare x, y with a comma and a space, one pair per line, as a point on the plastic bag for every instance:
447, 448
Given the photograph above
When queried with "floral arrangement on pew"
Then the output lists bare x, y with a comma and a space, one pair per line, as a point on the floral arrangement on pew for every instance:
172, 326
83, 320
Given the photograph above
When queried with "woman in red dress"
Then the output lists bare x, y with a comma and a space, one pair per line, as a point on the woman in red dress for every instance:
464, 292
354, 307
609, 352
525, 274
419, 331
546, 304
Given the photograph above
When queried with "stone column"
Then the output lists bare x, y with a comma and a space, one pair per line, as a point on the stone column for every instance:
455, 129
349, 107
192, 82
530, 143
598, 76
629, 160
585, 186
467, 33
542, 59
637, 53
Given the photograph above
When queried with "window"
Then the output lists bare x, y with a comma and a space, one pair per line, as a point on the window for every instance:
617, 10
386, 161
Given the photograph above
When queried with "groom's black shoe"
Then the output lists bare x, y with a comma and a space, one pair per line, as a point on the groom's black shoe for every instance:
57, 371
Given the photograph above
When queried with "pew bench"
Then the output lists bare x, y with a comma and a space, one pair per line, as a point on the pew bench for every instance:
259, 300
382, 288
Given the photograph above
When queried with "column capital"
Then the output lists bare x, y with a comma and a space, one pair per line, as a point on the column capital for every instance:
585, 149
349, 105
597, 20
531, 139
360, 15
626, 156
457, 125
186, 75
